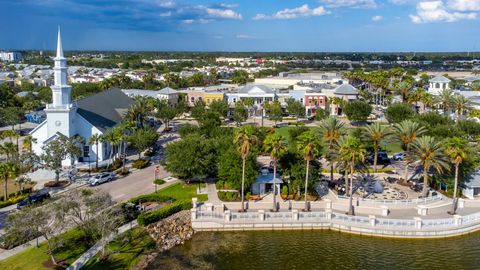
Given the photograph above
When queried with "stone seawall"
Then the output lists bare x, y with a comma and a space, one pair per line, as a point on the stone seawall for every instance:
171, 231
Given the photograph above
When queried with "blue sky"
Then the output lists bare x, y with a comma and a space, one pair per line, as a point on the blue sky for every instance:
243, 25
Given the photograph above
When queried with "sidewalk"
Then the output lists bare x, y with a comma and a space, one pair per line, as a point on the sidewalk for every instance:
80, 262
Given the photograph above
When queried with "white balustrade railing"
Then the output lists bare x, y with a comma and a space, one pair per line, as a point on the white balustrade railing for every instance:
401, 202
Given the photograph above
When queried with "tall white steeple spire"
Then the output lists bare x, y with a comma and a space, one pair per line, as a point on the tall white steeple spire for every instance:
59, 45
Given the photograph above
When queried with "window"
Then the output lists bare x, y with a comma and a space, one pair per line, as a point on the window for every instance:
86, 151
437, 85
234, 100
192, 99
301, 100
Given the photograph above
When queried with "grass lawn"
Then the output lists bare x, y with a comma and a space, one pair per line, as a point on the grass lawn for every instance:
33, 258
11, 187
182, 191
393, 148
125, 251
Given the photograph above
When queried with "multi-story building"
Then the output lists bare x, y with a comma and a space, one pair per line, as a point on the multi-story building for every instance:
10, 56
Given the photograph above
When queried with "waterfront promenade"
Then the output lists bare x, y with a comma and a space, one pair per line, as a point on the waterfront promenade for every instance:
418, 218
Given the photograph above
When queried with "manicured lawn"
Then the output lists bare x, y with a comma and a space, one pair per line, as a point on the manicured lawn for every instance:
393, 148
34, 258
181, 191
284, 131
124, 252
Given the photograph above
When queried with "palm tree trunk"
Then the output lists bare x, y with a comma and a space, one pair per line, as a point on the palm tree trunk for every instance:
331, 170
375, 160
306, 185
425, 180
406, 162
96, 157
5, 186
274, 185
350, 201
243, 183
454, 206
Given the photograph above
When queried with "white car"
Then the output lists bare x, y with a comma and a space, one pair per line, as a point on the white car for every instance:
100, 178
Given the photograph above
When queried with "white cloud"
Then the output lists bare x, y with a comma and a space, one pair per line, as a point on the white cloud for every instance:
294, 13
166, 3
377, 18
166, 14
435, 11
189, 21
243, 36
223, 13
464, 5
229, 5
350, 3
402, 2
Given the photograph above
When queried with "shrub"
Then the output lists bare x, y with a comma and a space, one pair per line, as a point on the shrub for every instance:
159, 181
166, 211
284, 190
228, 196
12, 200
153, 197
51, 184
123, 172
396, 113
140, 163
149, 153
299, 123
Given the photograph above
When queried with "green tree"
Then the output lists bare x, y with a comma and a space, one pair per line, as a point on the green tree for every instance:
199, 110
295, 108
244, 139
57, 150
275, 145
397, 113
308, 145
274, 111
357, 110
143, 138
240, 114
461, 105
456, 149
376, 134
429, 153
220, 107
406, 133
445, 98
320, 114
165, 112
331, 130
351, 151
8, 170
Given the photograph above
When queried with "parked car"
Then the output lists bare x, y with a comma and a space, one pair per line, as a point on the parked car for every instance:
399, 156
100, 178
382, 158
33, 198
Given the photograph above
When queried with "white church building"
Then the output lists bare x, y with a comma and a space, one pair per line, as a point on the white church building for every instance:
437, 84
92, 115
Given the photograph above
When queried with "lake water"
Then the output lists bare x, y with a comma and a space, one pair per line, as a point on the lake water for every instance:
318, 250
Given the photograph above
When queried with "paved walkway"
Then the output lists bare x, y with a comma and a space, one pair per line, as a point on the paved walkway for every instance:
80, 262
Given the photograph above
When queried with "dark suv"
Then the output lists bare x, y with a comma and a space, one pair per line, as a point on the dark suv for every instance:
33, 199
382, 158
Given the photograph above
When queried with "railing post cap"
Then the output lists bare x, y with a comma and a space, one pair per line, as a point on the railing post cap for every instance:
384, 206
417, 218
371, 216
193, 210
457, 216
261, 211
294, 210
194, 199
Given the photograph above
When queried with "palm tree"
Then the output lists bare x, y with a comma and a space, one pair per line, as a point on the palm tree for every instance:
10, 150
28, 142
308, 145
244, 139
351, 151
406, 132
113, 138
429, 152
7, 170
456, 149
95, 139
445, 98
461, 104
376, 133
331, 130
275, 145
404, 90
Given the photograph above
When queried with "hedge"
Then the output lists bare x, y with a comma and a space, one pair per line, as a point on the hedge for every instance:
228, 196
159, 181
153, 197
12, 200
161, 213
140, 163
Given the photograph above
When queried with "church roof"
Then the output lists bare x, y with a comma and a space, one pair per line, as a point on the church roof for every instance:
104, 110
167, 91
440, 79
346, 89
255, 88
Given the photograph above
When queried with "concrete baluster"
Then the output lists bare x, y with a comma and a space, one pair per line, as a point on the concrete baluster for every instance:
418, 222
458, 220
261, 214
461, 203
328, 204
194, 213
373, 220
227, 215
422, 210
194, 202
384, 210
328, 214
295, 215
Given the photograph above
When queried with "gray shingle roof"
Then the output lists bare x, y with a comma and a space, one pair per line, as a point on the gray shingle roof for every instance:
167, 91
256, 88
104, 110
440, 79
346, 89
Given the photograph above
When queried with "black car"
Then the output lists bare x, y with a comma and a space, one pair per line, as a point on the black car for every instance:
33, 199
382, 158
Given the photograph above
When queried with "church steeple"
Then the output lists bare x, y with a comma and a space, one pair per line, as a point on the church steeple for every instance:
60, 89
59, 45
